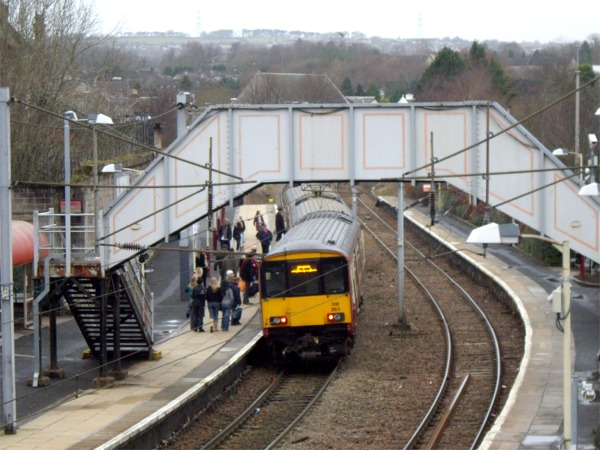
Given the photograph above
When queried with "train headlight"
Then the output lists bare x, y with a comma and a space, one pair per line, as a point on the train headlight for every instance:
336, 317
278, 320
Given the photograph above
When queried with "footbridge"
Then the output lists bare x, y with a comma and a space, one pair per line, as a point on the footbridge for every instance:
249, 145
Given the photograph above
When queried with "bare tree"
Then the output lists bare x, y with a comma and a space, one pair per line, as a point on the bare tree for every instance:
43, 44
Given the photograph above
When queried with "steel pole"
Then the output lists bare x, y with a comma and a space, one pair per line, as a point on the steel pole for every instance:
95, 187
9, 406
566, 267
400, 218
67, 156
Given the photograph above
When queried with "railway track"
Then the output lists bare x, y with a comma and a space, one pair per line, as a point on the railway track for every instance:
469, 378
388, 388
275, 412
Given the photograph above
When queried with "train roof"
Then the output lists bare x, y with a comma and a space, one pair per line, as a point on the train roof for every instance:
308, 199
324, 231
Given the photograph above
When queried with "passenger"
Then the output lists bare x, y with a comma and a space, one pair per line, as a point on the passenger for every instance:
238, 233
188, 291
213, 297
203, 264
227, 299
249, 274
265, 237
225, 235
279, 225
258, 221
198, 273
226, 261
198, 306
236, 310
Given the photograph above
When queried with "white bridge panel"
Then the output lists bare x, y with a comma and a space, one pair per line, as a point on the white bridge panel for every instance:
442, 133
322, 147
256, 144
381, 143
262, 147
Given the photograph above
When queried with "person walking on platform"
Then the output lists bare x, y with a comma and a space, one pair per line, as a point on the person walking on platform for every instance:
238, 233
200, 276
225, 235
226, 261
202, 263
279, 225
198, 305
188, 290
213, 298
265, 237
227, 299
236, 309
258, 221
249, 274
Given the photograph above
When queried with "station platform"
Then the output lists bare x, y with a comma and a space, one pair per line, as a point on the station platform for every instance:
106, 418
189, 362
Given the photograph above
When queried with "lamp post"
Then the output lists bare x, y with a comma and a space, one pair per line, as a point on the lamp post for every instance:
508, 234
69, 115
94, 120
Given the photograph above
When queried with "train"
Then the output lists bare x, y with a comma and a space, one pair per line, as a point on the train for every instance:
311, 282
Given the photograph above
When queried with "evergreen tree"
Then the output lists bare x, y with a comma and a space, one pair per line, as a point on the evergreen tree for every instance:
347, 87
477, 54
373, 91
446, 64
585, 53
185, 84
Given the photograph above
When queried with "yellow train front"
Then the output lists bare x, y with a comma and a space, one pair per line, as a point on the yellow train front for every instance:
311, 282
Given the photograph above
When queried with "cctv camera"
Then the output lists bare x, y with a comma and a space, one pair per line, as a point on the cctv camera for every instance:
592, 139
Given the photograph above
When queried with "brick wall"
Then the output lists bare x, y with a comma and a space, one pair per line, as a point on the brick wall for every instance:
25, 200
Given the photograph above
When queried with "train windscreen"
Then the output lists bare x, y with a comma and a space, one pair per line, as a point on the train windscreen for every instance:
295, 278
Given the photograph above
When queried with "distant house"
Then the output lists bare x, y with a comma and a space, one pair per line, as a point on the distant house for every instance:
281, 88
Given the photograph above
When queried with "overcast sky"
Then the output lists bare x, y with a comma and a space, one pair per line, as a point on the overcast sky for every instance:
508, 20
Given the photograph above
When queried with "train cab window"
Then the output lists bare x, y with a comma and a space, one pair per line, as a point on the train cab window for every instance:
304, 277
335, 275
274, 279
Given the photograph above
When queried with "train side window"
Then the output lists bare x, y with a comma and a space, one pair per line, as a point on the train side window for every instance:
335, 275
274, 279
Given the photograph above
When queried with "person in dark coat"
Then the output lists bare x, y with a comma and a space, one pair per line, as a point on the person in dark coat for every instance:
198, 305
213, 298
265, 237
238, 233
258, 221
225, 235
225, 260
201, 261
236, 309
279, 225
249, 273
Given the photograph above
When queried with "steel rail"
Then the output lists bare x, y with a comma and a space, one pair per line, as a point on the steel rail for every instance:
479, 311
317, 396
239, 420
